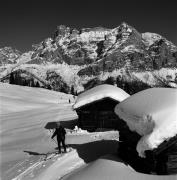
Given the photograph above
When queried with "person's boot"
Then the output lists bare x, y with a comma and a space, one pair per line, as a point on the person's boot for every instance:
59, 152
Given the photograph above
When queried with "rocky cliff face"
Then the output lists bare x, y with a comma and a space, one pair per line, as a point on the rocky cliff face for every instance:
106, 49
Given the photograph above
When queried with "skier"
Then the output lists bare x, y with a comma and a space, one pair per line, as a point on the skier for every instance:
60, 133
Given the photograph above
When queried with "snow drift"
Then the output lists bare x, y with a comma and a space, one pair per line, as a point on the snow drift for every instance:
100, 92
152, 114
110, 167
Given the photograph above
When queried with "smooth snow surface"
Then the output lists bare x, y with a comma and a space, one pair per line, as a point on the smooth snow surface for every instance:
110, 167
152, 113
100, 92
24, 111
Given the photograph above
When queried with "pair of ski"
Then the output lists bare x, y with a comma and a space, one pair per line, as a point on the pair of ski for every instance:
55, 154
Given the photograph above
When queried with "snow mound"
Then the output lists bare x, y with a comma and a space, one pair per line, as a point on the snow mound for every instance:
100, 92
110, 167
152, 114
77, 130
104, 168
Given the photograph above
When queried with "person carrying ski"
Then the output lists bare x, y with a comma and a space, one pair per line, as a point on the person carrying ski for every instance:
60, 133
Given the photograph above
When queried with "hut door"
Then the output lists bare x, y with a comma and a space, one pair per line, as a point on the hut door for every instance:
102, 123
101, 119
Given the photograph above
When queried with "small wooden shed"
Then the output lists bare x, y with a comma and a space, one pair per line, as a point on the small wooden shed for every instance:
95, 107
148, 132
161, 161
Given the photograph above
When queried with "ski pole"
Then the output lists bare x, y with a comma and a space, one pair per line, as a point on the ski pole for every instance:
52, 138
54, 141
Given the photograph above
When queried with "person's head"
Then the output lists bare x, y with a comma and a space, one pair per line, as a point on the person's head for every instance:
58, 124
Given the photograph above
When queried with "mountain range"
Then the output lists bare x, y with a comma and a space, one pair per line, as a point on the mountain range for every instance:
89, 52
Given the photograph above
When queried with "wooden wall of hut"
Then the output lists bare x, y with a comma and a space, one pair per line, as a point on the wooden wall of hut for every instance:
166, 157
127, 149
99, 114
161, 161
172, 159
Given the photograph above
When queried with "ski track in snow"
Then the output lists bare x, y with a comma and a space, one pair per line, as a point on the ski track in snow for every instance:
56, 166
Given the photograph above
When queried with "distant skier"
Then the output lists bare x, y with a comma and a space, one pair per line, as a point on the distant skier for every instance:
175, 78
60, 133
69, 101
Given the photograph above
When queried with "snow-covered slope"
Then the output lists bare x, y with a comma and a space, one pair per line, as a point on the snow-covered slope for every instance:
24, 112
24, 142
152, 113
100, 92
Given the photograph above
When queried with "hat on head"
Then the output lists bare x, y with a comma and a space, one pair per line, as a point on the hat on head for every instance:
58, 123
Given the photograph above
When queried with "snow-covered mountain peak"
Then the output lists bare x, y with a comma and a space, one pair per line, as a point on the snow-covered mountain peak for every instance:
9, 55
98, 49
124, 27
153, 38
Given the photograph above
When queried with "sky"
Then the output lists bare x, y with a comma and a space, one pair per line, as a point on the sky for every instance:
27, 22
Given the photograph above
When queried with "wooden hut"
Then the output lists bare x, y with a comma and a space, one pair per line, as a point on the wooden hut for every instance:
95, 107
149, 129
161, 160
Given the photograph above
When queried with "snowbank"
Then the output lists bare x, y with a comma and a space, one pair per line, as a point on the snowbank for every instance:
152, 114
100, 92
77, 130
110, 167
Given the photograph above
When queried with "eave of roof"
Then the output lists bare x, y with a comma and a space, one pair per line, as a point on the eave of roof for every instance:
100, 92
98, 100
165, 145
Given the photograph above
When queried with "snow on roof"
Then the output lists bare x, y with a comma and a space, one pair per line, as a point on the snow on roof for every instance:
152, 113
100, 92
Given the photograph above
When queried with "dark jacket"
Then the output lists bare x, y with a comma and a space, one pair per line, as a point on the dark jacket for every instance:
60, 133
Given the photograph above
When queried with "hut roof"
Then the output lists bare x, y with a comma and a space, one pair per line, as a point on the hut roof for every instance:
152, 113
100, 92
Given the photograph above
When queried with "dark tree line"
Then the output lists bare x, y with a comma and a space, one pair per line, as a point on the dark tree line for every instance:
56, 83
16, 78
73, 91
131, 87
